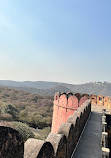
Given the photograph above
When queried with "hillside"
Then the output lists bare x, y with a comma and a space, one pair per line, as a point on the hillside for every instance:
31, 109
93, 88
32, 84
30, 114
49, 88
45, 92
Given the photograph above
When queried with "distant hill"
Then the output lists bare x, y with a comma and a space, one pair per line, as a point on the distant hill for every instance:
94, 88
49, 88
32, 84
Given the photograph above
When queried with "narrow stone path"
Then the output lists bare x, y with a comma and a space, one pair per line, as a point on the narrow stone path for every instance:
90, 142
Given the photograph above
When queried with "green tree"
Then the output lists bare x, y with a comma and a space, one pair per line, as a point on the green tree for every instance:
10, 109
23, 129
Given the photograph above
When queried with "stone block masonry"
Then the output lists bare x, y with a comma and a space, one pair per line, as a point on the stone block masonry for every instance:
11, 142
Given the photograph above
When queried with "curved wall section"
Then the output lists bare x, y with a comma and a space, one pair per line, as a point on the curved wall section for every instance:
64, 106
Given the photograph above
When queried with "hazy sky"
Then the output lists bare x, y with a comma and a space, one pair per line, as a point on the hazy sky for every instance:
55, 40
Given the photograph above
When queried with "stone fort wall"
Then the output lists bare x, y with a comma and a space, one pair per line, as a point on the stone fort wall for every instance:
70, 114
101, 100
64, 106
62, 143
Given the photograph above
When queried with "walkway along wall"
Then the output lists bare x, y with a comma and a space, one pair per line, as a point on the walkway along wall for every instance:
57, 145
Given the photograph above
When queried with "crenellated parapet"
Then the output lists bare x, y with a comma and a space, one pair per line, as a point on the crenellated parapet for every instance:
93, 98
65, 104
35, 148
64, 141
101, 100
11, 142
70, 114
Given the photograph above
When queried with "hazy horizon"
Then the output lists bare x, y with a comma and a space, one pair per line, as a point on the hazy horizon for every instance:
55, 81
57, 41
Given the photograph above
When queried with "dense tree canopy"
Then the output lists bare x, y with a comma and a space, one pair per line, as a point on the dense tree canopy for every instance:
31, 109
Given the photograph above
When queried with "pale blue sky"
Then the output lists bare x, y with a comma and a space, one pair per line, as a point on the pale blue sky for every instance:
55, 40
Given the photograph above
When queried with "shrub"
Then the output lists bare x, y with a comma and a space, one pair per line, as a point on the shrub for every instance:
10, 109
23, 129
43, 134
6, 117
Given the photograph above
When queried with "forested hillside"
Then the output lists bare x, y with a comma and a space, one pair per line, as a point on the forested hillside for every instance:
32, 109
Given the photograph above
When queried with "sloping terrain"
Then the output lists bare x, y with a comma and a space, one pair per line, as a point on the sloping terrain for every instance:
49, 88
